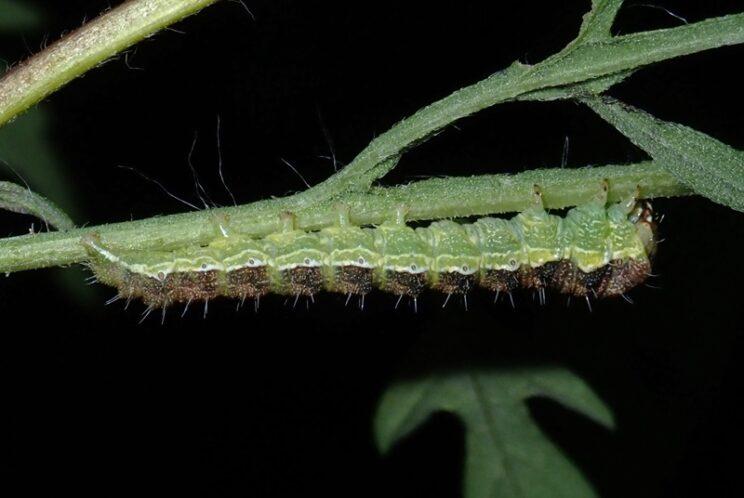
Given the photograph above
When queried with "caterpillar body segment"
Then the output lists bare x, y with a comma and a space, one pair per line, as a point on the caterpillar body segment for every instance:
593, 250
404, 259
352, 259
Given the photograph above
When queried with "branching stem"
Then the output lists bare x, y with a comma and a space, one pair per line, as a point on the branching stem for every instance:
589, 65
22, 200
561, 76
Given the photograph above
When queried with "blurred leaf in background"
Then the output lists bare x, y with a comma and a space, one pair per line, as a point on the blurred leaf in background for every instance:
16, 16
26, 144
506, 453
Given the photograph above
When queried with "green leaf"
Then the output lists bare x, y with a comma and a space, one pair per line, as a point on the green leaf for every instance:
506, 453
710, 167
16, 16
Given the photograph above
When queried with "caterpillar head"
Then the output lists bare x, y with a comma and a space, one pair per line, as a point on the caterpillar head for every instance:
643, 217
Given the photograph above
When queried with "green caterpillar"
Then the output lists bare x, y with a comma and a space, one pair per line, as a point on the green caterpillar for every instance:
594, 250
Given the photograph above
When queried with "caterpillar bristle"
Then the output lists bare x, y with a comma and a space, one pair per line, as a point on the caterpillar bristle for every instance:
398, 301
446, 300
185, 309
112, 300
146, 313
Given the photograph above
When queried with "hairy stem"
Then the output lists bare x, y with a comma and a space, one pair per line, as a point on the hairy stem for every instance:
427, 199
590, 64
87, 47
22, 200
574, 70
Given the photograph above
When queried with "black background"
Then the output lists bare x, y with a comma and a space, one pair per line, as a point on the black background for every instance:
281, 402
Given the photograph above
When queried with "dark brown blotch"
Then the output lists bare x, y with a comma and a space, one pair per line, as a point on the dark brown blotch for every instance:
150, 289
612, 279
565, 278
538, 277
405, 284
303, 280
569, 279
248, 282
454, 282
353, 279
625, 275
593, 282
181, 287
499, 280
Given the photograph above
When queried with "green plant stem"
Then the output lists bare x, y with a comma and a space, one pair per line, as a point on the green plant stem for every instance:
427, 199
93, 43
591, 64
563, 75
22, 200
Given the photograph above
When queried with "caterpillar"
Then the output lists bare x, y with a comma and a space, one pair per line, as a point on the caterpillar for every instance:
594, 250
